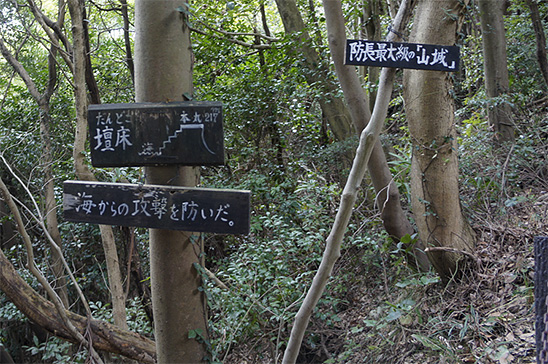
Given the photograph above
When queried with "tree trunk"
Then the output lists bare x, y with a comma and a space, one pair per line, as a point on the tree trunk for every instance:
371, 30
76, 8
356, 113
103, 335
50, 208
434, 168
163, 71
50, 204
332, 107
369, 135
496, 68
541, 39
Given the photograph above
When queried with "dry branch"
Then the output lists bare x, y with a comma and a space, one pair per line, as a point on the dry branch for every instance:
105, 336
368, 139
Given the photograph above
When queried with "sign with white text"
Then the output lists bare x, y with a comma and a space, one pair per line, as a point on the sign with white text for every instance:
402, 55
145, 134
159, 207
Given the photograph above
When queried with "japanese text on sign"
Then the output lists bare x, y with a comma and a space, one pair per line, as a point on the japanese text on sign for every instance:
402, 55
176, 208
155, 206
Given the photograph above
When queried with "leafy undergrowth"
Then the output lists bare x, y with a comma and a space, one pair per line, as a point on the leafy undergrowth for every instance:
388, 313
412, 318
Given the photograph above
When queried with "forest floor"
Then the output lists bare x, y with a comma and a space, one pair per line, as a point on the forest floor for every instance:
393, 314
487, 317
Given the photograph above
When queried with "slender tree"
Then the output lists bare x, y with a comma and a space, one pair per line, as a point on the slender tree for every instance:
43, 100
358, 114
368, 139
76, 9
496, 68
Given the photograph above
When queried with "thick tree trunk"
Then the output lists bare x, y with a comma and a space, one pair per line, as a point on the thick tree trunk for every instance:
104, 336
496, 67
357, 113
163, 71
541, 39
434, 168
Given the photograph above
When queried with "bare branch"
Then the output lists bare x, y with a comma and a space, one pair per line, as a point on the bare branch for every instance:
40, 277
368, 138
53, 31
18, 67
229, 36
40, 220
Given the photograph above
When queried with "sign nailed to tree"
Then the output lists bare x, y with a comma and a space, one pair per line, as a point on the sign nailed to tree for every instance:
141, 134
402, 55
160, 207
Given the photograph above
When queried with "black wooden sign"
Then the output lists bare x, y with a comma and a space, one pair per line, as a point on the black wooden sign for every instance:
402, 55
160, 207
144, 134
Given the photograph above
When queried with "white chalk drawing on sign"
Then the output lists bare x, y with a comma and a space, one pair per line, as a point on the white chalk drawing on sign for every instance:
197, 122
153, 204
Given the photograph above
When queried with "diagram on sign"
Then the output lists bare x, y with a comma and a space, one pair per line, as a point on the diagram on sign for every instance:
186, 124
184, 133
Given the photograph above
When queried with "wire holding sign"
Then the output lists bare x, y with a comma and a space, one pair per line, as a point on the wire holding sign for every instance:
402, 55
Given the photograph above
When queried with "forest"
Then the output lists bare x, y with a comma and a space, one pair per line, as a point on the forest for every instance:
393, 211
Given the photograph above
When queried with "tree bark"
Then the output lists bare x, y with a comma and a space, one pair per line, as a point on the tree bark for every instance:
368, 137
357, 113
104, 336
388, 197
496, 68
434, 168
163, 71
332, 107
541, 39
82, 171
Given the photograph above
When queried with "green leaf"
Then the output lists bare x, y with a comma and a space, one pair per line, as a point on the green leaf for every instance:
192, 334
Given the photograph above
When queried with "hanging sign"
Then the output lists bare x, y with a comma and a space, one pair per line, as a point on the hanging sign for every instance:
402, 55
145, 134
159, 207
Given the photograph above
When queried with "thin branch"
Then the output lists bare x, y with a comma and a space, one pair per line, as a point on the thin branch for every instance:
229, 36
40, 277
53, 31
231, 40
18, 67
40, 220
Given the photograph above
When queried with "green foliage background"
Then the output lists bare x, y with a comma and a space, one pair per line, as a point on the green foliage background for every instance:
279, 147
